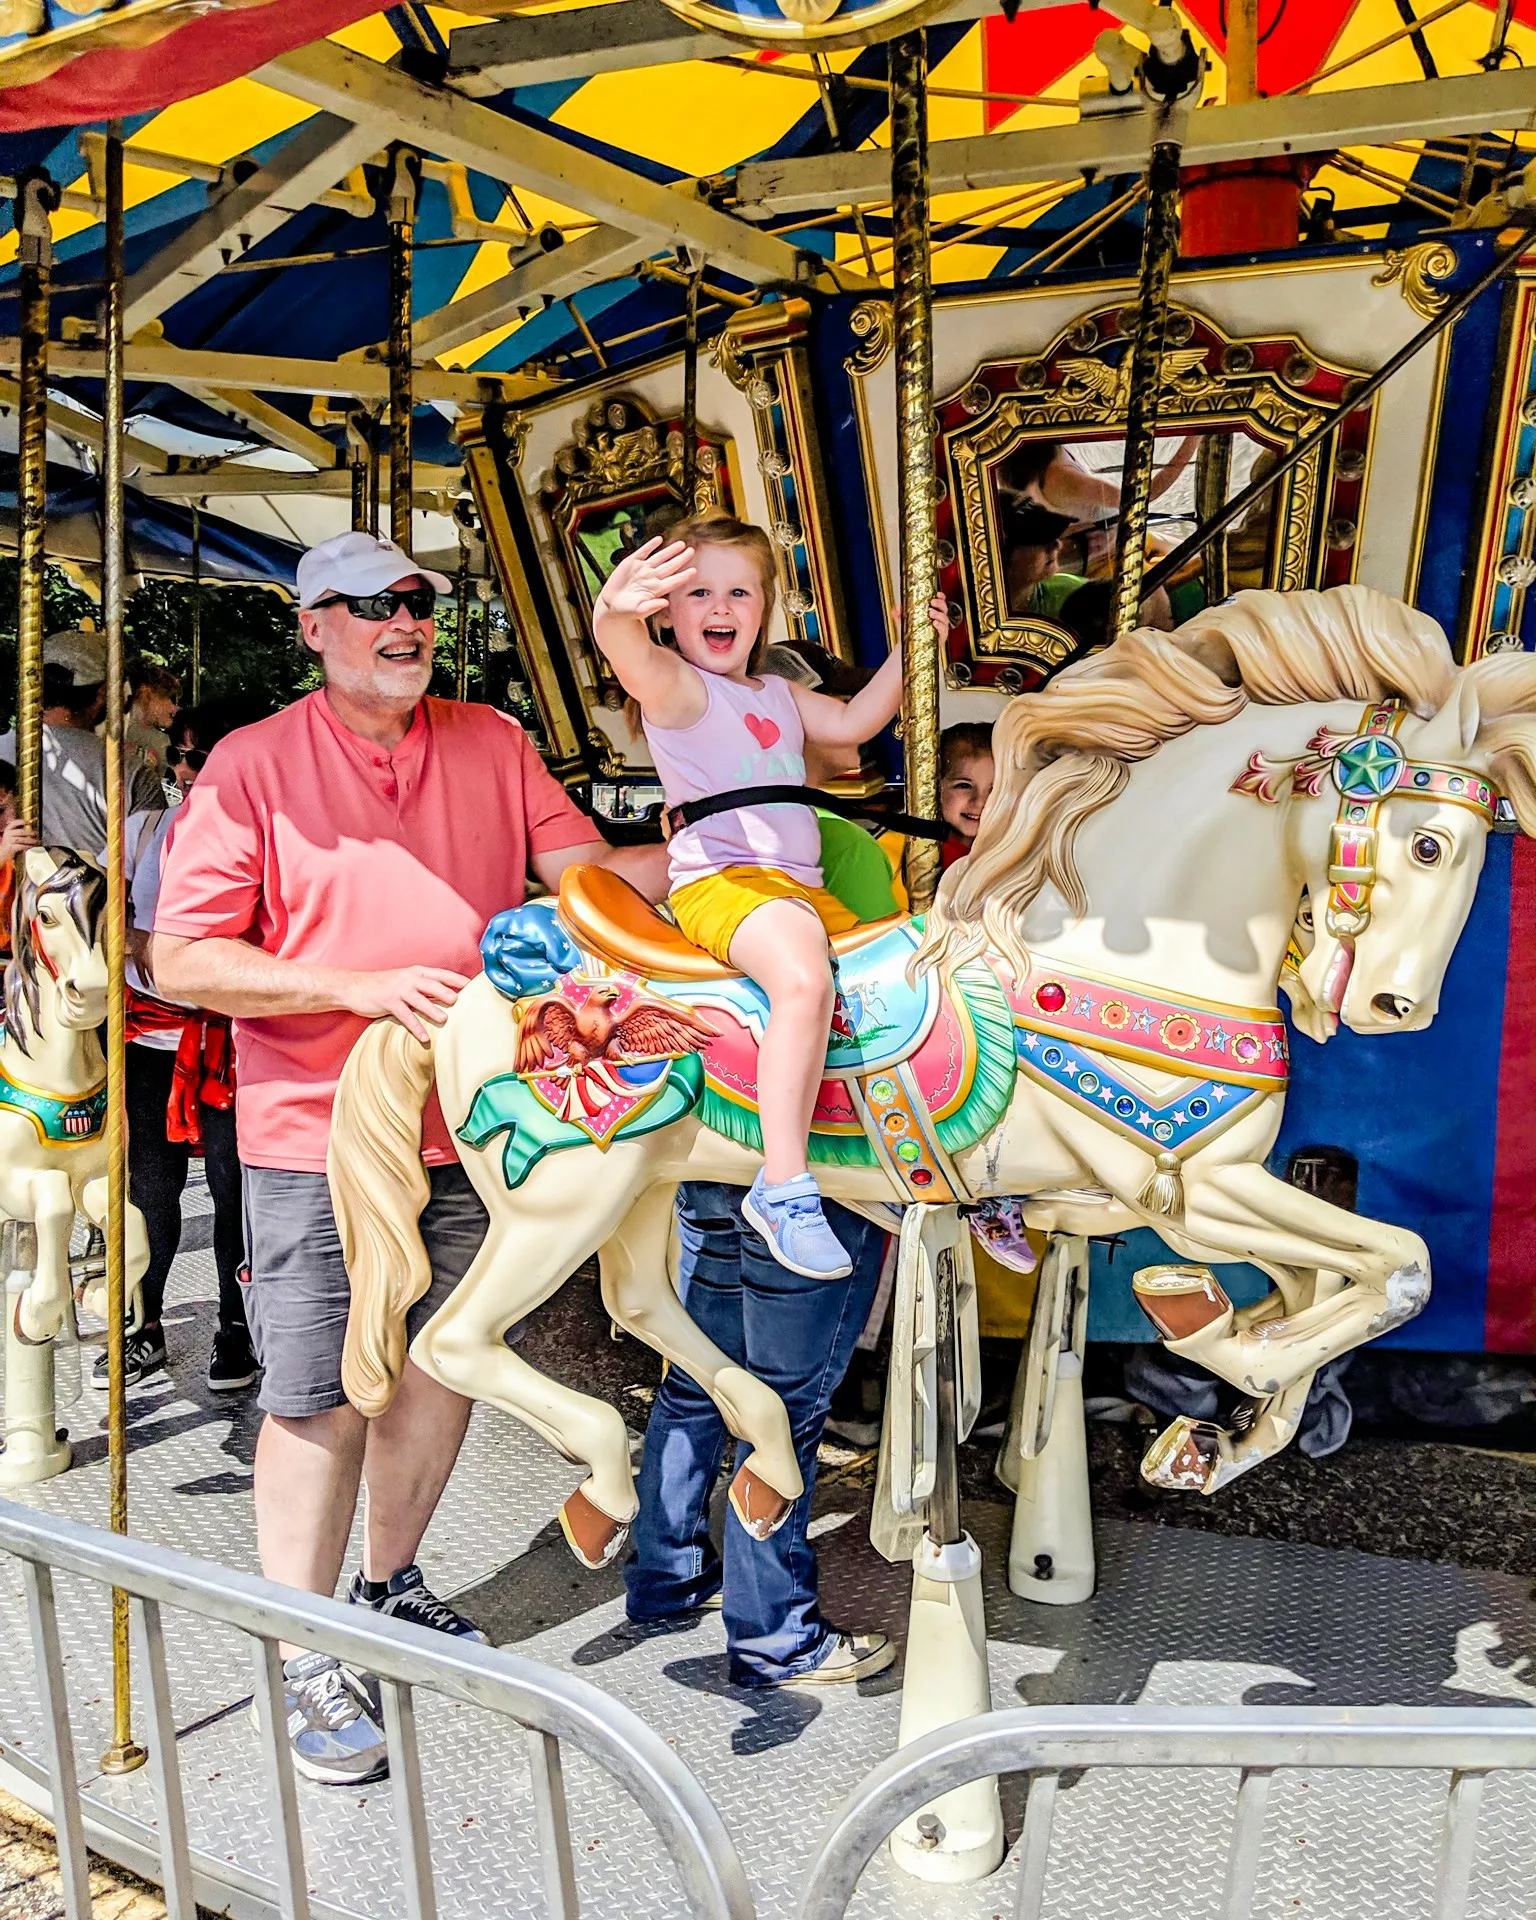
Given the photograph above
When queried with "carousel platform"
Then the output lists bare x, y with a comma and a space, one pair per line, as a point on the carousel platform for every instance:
1182, 1617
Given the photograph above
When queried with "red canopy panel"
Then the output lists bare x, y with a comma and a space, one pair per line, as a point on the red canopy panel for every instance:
188, 59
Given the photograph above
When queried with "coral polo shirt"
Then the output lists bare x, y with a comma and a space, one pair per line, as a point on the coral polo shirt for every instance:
323, 848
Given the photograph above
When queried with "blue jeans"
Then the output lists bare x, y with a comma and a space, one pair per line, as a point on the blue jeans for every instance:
797, 1336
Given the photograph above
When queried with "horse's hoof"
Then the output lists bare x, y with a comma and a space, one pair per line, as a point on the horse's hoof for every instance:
593, 1536
761, 1509
26, 1339
1180, 1301
1185, 1457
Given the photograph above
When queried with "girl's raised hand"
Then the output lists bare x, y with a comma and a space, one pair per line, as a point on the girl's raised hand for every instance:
639, 585
938, 613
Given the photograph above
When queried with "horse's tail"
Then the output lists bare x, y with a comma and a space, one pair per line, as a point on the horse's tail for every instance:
379, 1187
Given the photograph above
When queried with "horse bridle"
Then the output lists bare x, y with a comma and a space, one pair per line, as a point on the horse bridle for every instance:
1368, 768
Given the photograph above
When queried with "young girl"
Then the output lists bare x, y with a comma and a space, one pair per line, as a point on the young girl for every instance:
746, 885
966, 772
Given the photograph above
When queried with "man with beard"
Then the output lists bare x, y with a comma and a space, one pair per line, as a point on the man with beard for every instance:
337, 864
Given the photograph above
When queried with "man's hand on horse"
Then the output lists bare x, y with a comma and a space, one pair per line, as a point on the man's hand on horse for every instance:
415, 996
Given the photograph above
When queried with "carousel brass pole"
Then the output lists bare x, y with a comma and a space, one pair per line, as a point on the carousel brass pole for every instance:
124, 1754
1242, 51
1159, 249
36, 198
358, 441
461, 627
402, 218
912, 304
373, 473
960, 1836
197, 603
691, 392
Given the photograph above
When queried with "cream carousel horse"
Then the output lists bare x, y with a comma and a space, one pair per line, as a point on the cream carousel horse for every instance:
1087, 1019
53, 1154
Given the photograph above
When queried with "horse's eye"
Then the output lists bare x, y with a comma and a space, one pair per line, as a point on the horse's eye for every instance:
1426, 850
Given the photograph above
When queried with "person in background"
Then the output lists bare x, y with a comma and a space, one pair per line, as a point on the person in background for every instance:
1035, 582
74, 754
154, 693
181, 1099
1050, 475
15, 837
965, 784
1087, 613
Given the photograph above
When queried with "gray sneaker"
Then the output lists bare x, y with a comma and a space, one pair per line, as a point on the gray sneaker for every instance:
332, 1728
850, 1656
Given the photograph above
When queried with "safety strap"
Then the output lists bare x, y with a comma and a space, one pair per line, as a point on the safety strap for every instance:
691, 812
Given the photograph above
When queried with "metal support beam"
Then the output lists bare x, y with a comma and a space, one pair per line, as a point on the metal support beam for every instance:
37, 198
124, 1754
271, 424
536, 49
87, 431
1314, 123
199, 371
235, 480
605, 253
323, 151
445, 123
912, 318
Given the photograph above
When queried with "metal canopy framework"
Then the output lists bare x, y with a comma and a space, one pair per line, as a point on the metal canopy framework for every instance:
574, 160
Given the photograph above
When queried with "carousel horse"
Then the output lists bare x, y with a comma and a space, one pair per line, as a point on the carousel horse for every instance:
53, 1104
1085, 1019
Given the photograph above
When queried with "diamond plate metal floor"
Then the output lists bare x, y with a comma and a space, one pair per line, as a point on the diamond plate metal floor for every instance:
1181, 1617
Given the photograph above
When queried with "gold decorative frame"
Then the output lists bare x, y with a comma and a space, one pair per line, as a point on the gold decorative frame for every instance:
1505, 554
492, 448
620, 456
763, 353
1274, 388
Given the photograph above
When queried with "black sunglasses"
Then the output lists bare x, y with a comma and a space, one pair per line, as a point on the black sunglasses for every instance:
419, 602
193, 757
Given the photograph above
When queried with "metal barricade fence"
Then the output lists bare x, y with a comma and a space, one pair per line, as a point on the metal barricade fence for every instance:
1044, 1742
551, 1706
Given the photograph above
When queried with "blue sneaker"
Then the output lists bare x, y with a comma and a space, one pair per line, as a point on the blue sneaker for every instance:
790, 1219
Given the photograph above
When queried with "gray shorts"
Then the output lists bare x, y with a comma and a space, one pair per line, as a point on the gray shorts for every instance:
296, 1289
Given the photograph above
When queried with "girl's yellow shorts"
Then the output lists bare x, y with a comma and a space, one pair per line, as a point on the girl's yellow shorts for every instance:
710, 911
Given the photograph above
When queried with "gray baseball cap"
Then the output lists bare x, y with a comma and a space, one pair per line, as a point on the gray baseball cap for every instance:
83, 654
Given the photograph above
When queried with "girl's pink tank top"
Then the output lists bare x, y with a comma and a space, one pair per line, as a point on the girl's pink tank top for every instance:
748, 737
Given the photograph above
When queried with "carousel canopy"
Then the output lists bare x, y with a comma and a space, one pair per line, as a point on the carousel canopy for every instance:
579, 161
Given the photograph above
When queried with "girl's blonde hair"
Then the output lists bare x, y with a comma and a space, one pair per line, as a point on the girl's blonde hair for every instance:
718, 529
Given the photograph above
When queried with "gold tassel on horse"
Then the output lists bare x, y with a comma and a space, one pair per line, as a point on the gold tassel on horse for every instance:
1164, 1192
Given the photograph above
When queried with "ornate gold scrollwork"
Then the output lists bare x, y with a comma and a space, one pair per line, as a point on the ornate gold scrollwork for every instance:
1413, 270
1076, 385
871, 324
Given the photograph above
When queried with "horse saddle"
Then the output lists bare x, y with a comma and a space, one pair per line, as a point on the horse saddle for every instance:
604, 914
915, 1069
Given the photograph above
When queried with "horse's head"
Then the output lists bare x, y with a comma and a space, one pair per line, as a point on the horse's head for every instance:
1389, 900
56, 941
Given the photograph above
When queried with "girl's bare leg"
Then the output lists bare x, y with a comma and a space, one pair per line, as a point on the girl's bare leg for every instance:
783, 947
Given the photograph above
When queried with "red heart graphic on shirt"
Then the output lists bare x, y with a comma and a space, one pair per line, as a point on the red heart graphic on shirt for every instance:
764, 732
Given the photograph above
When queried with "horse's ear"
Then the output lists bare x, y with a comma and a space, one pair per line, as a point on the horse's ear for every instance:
40, 865
1451, 735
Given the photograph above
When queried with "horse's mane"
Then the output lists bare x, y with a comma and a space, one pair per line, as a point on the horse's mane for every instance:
1067, 751
83, 888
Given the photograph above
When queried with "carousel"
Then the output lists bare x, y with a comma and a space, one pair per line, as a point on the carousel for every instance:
1187, 354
